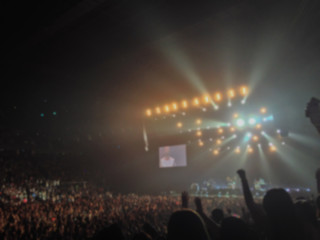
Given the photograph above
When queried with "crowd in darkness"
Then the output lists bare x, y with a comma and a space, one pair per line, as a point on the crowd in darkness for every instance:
43, 209
34, 205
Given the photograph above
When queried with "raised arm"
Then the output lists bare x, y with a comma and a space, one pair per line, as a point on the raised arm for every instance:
184, 199
212, 227
252, 206
313, 112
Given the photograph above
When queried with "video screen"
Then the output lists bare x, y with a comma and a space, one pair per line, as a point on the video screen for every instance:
172, 156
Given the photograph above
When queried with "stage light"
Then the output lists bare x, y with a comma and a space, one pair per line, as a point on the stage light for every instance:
231, 93
252, 121
236, 115
184, 104
237, 150
174, 106
216, 107
250, 150
283, 143
234, 136
243, 101
206, 99
216, 152
196, 101
273, 148
198, 121
199, 133
244, 91
263, 133
179, 124
218, 141
263, 110
148, 112
218, 97
166, 108
200, 143
158, 110
278, 131
229, 104
258, 126
220, 130
232, 129
240, 122
255, 138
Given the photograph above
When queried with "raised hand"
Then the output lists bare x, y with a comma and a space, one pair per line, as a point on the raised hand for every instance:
198, 204
185, 199
313, 112
241, 173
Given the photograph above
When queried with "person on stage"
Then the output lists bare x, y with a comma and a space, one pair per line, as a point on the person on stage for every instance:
167, 160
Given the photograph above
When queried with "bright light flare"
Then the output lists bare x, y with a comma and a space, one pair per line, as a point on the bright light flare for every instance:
231, 93
166, 108
184, 104
218, 97
252, 121
206, 99
179, 124
240, 122
200, 143
237, 150
148, 112
263, 110
255, 138
220, 130
218, 141
272, 148
215, 152
158, 110
198, 121
244, 91
199, 133
174, 106
196, 101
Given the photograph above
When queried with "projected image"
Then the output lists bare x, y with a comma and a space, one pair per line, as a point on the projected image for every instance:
172, 156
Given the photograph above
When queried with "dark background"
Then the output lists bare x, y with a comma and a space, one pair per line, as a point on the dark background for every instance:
100, 64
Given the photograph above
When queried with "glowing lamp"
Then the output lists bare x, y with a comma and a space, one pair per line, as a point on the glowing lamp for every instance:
198, 121
184, 104
196, 101
231, 93
218, 97
174, 106
148, 112
263, 110
240, 122
237, 150
244, 91
252, 121
206, 99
